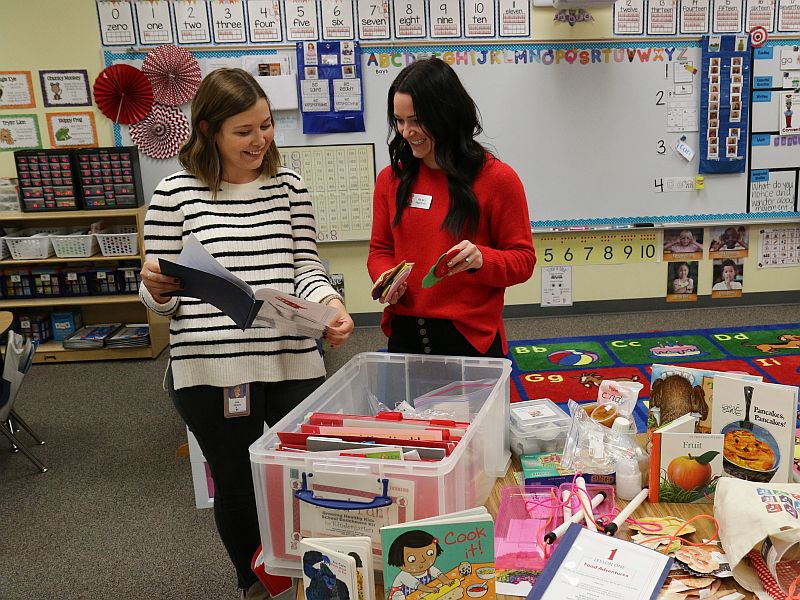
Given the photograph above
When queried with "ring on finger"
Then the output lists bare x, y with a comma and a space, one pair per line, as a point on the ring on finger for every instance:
466, 260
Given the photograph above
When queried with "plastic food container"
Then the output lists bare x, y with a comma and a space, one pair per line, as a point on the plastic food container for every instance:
289, 484
538, 426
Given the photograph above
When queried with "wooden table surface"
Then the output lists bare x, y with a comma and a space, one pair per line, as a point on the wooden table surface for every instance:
705, 527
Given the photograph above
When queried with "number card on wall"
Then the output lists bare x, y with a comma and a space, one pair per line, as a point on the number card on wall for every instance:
116, 23
601, 248
191, 22
228, 22
155, 26
341, 180
264, 20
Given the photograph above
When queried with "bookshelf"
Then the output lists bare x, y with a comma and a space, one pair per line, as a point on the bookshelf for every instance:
124, 308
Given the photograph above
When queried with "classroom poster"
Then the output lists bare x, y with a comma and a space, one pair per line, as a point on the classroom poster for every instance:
72, 130
682, 281
728, 278
16, 89
18, 132
65, 88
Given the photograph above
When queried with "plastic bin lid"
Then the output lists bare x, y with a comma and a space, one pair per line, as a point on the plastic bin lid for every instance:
536, 416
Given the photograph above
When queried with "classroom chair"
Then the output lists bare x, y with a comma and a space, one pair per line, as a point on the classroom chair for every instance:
17, 362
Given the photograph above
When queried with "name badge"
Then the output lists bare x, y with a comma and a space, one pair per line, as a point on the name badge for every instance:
421, 201
237, 400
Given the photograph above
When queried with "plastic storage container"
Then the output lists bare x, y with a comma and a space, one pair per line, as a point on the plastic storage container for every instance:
417, 489
525, 514
75, 244
28, 244
120, 240
538, 426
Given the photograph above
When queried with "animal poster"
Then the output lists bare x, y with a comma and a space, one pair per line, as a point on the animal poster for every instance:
16, 89
65, 88
18, 132
72, 130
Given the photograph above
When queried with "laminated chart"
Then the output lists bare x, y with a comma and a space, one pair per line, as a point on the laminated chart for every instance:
341, 180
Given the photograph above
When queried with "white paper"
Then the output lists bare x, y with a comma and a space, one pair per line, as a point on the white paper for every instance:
346, 94
337, 20
373, 19
315, 95
557, 286
116, 23
191, 22
19, 131
515, 18
478, 18
599, 567
154, 23
301, 20
228, 22
409, 19
264, 21
445, 18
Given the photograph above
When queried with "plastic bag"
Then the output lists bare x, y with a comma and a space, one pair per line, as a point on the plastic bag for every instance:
592, 448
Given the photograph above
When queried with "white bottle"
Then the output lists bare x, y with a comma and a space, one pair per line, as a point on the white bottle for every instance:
629, 478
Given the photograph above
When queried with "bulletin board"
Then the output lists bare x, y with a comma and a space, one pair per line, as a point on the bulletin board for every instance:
585, 124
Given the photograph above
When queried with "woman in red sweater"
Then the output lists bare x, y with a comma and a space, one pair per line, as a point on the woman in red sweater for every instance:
445, 192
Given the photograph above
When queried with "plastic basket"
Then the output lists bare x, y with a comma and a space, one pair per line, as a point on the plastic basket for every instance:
74, 245
30, 244
121, 240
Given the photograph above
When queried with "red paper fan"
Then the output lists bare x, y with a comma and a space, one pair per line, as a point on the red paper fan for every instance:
123, 94
161, 133
174, 73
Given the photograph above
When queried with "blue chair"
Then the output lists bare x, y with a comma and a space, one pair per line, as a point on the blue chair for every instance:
17, 362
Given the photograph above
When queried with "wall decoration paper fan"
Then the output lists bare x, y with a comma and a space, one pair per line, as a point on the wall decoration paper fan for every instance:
123, 94
161, 133
174, 74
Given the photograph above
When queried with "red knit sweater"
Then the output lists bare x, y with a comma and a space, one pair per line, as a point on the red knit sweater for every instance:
472, 300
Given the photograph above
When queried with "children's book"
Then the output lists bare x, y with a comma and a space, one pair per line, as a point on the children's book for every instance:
448, 557
684, 466
758, 421
203, 277
337, 568
91, 336
676, 390
544, 468
796, 470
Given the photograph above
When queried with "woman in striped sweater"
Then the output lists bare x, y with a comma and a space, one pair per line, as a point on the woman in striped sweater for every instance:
256, 218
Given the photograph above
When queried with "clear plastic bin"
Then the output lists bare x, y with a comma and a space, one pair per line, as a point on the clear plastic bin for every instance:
538, 426
417, 489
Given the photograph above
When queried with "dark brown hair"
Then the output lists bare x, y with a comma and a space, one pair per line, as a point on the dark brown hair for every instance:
223, 93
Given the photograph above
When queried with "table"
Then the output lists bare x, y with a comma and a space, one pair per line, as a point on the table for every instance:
705, 527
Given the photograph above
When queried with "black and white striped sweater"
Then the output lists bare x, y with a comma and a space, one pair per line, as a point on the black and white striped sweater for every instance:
264, 233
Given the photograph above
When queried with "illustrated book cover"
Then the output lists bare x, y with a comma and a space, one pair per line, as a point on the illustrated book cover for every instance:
684, 466
337, 568
677, 390
758, 422
442, 558
203, 277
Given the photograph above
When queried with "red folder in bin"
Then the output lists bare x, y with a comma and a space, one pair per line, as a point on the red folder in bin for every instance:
274, 584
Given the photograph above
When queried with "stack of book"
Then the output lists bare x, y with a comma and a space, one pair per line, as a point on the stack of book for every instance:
91, 336
130, 335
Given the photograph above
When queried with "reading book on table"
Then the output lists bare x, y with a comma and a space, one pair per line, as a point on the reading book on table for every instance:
337, 567
448, 557
204, 278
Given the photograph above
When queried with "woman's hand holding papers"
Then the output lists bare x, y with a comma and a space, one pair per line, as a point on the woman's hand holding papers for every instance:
341, 327
157, 284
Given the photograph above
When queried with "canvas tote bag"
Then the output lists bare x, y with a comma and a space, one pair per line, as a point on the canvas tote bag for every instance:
748, 512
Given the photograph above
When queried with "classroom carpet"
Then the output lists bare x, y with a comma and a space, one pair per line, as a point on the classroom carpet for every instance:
572, 368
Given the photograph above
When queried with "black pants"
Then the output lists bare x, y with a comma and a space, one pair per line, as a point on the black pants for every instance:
225, 444
418, 335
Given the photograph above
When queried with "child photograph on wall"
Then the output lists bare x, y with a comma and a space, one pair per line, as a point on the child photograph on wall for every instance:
728, 241
728, 278
683, 244
682, 281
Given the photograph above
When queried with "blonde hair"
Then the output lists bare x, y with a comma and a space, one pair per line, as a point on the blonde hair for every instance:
223, 93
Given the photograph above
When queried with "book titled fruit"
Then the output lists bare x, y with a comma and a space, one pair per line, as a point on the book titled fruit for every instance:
684, 466
442, 558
